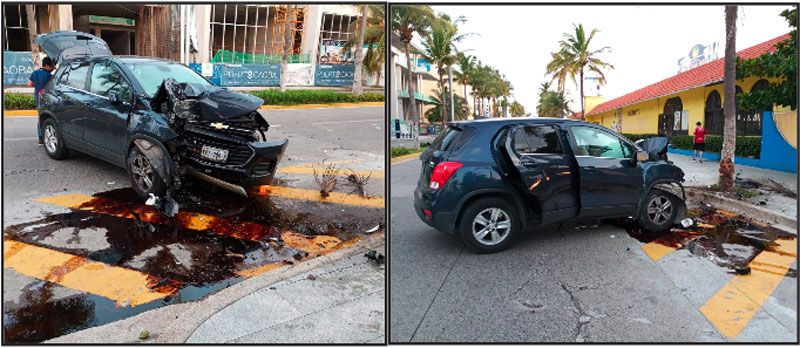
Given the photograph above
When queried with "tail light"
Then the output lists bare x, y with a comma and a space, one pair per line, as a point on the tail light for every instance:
442, 172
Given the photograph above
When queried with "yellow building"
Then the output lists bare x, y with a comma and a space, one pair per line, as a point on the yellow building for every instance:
672, 106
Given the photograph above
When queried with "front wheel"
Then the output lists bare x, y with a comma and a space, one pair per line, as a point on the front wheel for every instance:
489, 225
658, 212
144, 178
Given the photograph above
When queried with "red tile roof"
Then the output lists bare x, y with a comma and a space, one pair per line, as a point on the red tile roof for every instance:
705, 74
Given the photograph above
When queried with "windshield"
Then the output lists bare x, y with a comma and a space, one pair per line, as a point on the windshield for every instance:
151, 73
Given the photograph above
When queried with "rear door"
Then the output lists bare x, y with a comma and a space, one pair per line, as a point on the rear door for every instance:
108, 129
547, 172
610, 179
71, 90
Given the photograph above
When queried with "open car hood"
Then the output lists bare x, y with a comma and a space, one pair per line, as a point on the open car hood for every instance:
208, 103
72, 44
655, 145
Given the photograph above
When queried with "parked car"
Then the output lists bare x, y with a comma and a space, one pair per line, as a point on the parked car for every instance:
156, 118
490, 180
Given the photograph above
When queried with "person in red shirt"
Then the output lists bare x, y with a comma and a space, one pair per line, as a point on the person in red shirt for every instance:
699, 141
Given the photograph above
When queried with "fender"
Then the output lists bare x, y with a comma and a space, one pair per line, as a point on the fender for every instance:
156, 153
670, 186
516, 200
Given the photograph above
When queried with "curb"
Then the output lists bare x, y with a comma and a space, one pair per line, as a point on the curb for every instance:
405, 158
746, 209
174, 324
33, 113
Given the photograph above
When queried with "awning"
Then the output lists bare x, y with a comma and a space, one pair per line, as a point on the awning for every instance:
419, 96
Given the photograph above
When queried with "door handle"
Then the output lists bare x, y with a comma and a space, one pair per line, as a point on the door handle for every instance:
590, 168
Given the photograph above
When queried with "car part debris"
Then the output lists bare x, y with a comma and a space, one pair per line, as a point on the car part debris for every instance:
311, 277
300, 255
166, 205
375, 256
144, 335
326, 178
687, 223
742, 270
373, 230
359, 182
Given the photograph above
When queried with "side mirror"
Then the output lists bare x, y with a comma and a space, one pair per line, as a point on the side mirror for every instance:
642, 156
116, 98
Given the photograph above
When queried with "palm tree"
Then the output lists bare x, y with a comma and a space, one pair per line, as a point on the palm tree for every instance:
552, 103
516, 109
374, 39
359, 58
287, 45
30, 12
466, 64
726, 168
408, 20
441, 51
575, 57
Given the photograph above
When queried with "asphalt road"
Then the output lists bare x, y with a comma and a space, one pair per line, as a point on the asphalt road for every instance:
200, 262
558, 285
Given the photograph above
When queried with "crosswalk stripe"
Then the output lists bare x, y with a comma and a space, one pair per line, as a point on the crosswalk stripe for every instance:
733, 306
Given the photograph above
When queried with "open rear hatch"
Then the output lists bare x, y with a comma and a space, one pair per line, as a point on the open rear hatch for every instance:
72, 44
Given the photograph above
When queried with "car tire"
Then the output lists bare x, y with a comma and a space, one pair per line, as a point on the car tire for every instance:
144, 178
53, 140
658, 211
482, 235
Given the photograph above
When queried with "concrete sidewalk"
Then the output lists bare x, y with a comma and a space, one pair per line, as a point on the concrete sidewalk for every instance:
342, 302
707, 173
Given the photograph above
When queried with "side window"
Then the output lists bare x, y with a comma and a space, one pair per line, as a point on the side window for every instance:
106, 78
76, 76
597, 143
539, 139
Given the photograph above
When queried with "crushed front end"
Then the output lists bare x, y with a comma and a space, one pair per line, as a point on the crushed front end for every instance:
221, 136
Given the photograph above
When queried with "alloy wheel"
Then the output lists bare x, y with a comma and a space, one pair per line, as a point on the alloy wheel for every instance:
659, 209
491, 226
50, 139
142, 172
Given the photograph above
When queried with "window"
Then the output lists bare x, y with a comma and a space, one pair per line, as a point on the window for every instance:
76, 76
543, 139
597, 143
254, 34
151, 74
106, 78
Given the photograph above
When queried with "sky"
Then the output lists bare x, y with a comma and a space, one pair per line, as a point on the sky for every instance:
646, 41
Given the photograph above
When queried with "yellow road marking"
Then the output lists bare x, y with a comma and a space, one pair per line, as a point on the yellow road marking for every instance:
303, 169
188, 220
314, 195
656, 250
122, 285
404, 158
733, 306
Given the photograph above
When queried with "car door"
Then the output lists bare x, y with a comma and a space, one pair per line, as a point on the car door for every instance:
108, 130
610, 179
547, 172
72, 92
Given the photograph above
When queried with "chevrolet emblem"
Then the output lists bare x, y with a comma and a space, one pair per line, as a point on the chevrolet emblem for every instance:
219, 125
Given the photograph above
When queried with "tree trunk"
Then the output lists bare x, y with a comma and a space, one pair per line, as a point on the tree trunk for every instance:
287, 42
583, 111
30, 12
442, 96
413, 114
362, 31
726, 167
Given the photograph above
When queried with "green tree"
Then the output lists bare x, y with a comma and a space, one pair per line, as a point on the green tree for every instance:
441, 51
574, 58
374, 39
517, 110
435, 114
781, 64
551, 103
466, 66
408, 20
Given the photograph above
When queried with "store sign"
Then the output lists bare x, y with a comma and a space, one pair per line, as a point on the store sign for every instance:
111, 20
633, 112
334, 75
332, 52
681, 120
249, 75
17, 68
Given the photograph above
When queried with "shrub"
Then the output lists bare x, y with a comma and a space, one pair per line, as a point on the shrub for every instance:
18, 101
636, 137
745, 146
402, 151
274, 96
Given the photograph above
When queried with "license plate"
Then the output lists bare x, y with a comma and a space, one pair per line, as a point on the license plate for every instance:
213, 154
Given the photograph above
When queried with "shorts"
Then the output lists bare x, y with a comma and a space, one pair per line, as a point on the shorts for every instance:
700, 146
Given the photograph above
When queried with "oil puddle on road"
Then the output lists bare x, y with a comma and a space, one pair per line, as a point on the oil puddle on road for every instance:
216, 241
729, 240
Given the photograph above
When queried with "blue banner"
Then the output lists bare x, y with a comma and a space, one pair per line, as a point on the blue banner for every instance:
248, 74
17, 68
334, 75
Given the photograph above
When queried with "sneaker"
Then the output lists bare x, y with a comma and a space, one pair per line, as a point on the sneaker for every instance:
693, 160
701, 161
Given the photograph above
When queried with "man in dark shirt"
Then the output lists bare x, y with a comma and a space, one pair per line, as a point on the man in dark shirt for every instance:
38, 80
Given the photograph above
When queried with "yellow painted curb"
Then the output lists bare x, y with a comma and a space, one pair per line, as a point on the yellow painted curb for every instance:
305, 169
17, 113
314, 195
405, 158
733, 306
320, 106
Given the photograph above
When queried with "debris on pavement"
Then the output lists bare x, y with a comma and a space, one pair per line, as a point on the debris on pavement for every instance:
374, 229
311, 277
144, 335
375, 256
325, 178
166, 205
359, 182
687, 223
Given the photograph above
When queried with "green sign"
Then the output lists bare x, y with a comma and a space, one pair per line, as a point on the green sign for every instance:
112, 20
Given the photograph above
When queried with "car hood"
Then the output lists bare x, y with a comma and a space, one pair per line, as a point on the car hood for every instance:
214, 103
72, 44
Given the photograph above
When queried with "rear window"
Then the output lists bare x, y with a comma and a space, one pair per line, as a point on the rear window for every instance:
537, 140
451, 139
76, 76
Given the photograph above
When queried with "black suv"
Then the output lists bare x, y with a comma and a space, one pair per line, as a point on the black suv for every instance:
489, 180
157, 118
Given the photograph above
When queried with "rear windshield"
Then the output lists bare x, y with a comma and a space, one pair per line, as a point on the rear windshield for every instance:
151, 73
451, 139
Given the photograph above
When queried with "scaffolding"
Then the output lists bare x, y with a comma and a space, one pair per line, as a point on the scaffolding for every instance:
253, 33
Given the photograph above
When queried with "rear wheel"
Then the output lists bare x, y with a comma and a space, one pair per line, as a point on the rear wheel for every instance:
489, 225
53, 141
144, 178
658, 212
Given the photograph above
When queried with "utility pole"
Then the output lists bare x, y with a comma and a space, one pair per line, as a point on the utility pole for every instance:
452, 104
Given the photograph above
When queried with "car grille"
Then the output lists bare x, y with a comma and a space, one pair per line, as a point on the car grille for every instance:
262, 168
238, 154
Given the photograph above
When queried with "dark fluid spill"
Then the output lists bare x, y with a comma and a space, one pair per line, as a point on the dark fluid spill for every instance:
192, 263
728, 239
